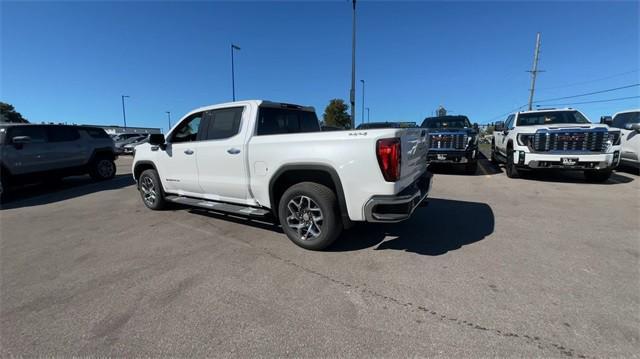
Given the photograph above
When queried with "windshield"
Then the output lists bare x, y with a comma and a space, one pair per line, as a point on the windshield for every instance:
550, 118
446, 122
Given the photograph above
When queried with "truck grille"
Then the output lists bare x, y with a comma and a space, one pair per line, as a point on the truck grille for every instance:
448, 141
592, 141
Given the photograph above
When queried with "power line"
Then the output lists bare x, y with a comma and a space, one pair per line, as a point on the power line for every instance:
589, 93
588, 81
594, 101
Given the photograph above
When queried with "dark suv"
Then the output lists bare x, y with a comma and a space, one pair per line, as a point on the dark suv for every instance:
452, 140
30, 153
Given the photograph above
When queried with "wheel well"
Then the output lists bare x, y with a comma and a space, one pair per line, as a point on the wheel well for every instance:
287, 178
510, 144
141, 167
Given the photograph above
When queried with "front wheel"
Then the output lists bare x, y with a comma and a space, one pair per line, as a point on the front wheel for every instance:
151, 190
597, 175
102, 169
512, 171
309, 215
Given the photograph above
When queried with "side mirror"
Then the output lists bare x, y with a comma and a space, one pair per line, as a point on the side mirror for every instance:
633, 126
21, 140
607, 120
476, 127
499, 126
156, 139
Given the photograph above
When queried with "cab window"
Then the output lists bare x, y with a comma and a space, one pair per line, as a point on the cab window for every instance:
188, 129
221, 124
38, 134
63, 134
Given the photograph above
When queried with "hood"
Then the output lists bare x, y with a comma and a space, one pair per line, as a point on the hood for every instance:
559, 126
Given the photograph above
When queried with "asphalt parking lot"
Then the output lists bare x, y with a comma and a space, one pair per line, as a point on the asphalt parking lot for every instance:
545, 266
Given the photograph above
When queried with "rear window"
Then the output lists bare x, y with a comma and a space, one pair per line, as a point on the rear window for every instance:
38, 134
276, 121
446, 122
550, 118
63, 134
97, 133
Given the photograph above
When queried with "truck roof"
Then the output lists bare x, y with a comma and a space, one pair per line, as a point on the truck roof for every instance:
256, 103
548, 110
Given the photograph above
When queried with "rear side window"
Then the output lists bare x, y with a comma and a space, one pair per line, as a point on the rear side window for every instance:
276, 121
63, 134
223, 123
38, 134
97, 133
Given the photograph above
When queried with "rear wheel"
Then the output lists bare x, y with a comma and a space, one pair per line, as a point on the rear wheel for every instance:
4, 185
512, 171
151, 190
309, 215
597, 175
102, 169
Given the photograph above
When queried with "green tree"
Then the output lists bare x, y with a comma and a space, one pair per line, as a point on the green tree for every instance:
335, 114
8, 114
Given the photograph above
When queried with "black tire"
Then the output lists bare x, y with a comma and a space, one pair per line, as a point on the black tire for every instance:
493, 158
510, 167
4, 185
597, 176
151, 190
323, 202
102, 168
471, 168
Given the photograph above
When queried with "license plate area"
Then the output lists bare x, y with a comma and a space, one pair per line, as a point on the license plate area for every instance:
569, 161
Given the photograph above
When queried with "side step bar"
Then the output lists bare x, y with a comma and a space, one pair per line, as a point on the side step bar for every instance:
219, 206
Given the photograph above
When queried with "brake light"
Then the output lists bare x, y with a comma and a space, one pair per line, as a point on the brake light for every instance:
388, 151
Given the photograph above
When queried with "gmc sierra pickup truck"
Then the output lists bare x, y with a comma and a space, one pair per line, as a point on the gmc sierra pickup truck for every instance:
556, 139
267, 159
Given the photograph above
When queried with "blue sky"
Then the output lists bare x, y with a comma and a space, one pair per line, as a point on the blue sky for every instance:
71, 61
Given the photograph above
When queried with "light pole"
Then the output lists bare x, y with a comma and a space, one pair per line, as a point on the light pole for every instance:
124, 114
368, 119
362, 100
352, 93
233, 75
169, 117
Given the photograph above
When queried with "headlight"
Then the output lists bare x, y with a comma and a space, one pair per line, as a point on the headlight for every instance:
525, 139
614, 138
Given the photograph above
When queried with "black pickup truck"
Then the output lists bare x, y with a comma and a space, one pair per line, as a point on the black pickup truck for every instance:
452, 140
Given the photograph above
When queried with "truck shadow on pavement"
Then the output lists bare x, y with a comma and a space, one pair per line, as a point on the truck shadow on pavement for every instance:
560, 176
68, 188
442, 226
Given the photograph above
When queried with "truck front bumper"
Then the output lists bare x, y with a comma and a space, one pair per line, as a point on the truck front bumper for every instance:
567, 161
396, 208
453, 157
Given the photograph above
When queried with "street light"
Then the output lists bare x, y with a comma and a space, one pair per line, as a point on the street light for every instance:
233, 76
169, 117
362, 100
124, 114
352, 93
368, 119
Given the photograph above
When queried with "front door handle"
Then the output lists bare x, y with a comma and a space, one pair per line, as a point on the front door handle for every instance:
188, 152
233, 151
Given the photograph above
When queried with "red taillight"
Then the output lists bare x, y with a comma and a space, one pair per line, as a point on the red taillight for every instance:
388, 151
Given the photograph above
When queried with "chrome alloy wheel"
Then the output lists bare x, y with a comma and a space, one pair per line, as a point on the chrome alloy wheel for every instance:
305, 217
149, 191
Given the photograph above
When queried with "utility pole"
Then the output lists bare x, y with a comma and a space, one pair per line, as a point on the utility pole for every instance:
124, 114
233, 76
352, 93
169, 117
534, 71
362, 100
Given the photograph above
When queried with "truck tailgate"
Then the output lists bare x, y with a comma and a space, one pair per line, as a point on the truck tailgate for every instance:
414, 154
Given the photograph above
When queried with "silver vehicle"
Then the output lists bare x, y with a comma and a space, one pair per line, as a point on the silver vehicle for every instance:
129, 148
31, 153
119, 145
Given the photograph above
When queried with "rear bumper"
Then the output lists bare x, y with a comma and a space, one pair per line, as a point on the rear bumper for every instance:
448, 156
396, 208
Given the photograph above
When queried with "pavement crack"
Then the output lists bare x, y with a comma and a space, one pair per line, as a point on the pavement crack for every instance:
530, 339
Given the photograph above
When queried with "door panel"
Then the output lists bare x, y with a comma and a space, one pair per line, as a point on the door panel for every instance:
67, 149
221, 159
29, 157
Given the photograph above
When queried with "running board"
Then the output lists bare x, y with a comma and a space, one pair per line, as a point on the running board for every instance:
219, 206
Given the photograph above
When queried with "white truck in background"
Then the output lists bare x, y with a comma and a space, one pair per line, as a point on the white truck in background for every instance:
260, 158
628, 122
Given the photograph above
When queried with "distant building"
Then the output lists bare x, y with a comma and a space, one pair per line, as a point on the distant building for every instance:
441, 111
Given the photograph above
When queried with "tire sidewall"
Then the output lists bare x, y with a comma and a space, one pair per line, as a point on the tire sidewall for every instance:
330, 227
96, 169
153, 175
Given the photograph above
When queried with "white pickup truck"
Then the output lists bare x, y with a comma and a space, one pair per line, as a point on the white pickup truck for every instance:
260, 159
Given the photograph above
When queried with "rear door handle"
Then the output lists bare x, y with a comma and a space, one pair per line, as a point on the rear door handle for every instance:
188, 152
233, 151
